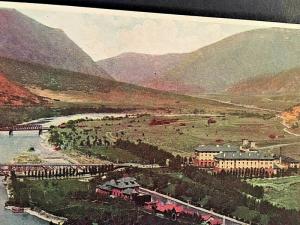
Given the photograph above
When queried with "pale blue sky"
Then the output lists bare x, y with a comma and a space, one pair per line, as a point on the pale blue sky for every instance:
107, 33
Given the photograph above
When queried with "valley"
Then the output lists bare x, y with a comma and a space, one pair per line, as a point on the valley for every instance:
210, 133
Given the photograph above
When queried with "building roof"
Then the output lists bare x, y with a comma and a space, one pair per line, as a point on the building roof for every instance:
129, 191
126, 182
123, 183
104, 186
244, 155
162, 207
287, 159
216, 148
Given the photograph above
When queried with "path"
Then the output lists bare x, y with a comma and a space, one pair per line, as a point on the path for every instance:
287, 127
278, 145
242, 105
110, 137
291, 133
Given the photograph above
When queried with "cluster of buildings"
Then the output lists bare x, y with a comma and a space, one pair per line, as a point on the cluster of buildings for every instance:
127, 188
240, 158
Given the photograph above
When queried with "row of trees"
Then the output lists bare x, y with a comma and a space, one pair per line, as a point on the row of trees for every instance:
68, 171
257, 172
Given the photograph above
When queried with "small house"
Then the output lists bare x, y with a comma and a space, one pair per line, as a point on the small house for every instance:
126, 188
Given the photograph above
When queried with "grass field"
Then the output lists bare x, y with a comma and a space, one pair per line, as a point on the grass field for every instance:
189, 131
181, 136
284, 192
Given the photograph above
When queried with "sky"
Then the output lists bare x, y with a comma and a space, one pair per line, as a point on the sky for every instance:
106, 33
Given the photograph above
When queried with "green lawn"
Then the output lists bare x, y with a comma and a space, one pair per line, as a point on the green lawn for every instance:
284, 192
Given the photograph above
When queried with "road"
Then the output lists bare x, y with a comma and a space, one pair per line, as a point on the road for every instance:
277, 146
288, 127
291, 133
242, 105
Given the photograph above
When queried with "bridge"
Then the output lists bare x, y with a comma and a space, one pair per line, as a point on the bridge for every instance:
60, 170
24, 127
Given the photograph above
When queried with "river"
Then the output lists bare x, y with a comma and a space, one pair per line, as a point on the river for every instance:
10, 146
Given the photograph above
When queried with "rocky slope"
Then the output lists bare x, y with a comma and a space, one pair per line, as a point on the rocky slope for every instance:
12, 94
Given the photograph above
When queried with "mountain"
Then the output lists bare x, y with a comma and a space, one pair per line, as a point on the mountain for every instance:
24, 39
137, 68
239, 57
287, 82
64, 87
147, 70
213, 68
12, 94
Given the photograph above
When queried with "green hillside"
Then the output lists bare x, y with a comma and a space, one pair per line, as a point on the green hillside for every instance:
239, 57
80, 88
30, 74
287, 82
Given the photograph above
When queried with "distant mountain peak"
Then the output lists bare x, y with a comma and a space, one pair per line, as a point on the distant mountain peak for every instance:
213, 68
24, 39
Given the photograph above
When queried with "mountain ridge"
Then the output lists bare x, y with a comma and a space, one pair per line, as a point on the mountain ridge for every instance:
240, 56
24, 39
137, 65
218, 66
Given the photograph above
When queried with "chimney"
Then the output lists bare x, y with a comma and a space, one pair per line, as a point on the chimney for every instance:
245, 142
252, 144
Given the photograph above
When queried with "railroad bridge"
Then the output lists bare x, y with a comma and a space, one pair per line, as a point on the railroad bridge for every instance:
56, 170
24, 127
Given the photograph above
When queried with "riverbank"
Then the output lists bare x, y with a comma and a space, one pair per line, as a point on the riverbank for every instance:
42, 215
46, 152
33, 212
50, 155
